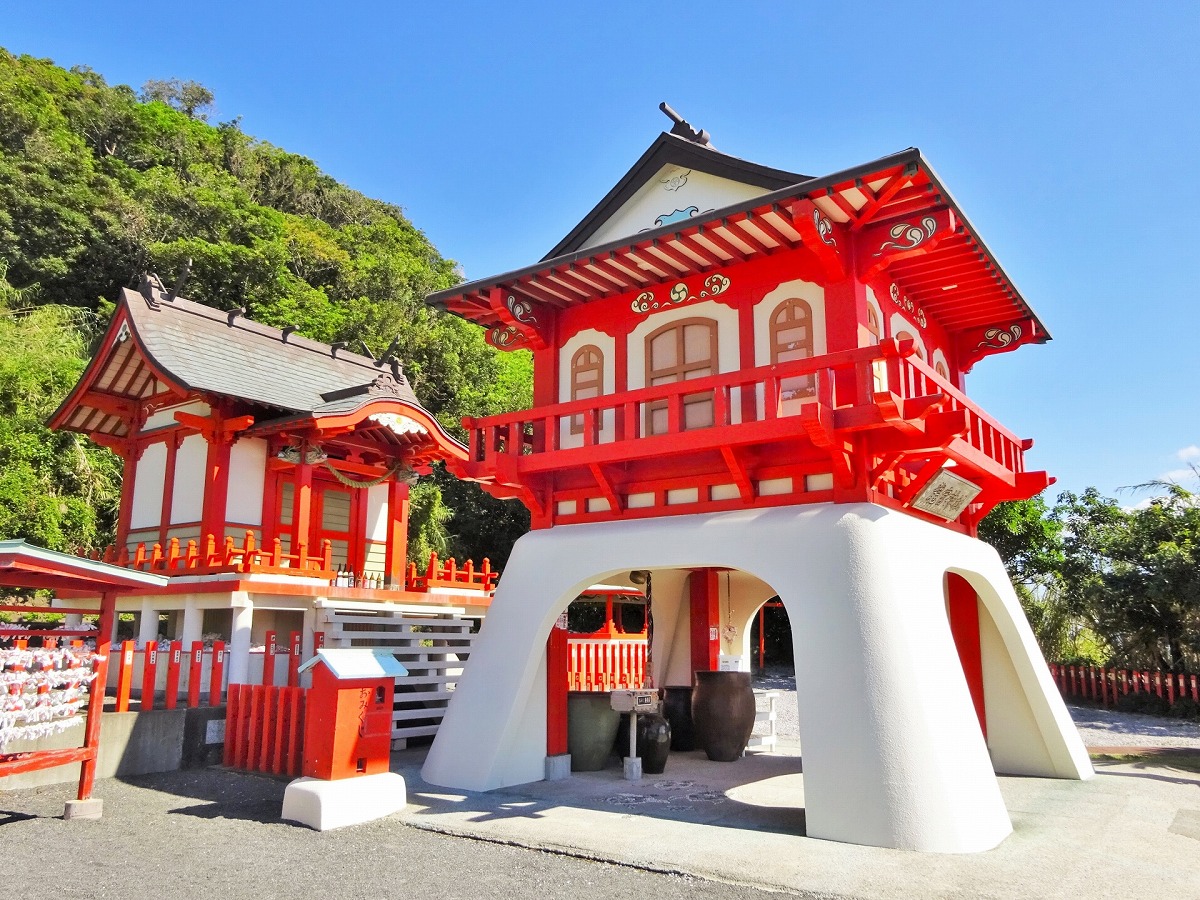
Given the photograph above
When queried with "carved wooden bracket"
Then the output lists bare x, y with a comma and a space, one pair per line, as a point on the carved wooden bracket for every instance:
976, 343
889, 242
215, 428
520, 325
823, 237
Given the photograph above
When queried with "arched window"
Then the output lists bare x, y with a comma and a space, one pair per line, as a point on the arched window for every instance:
940, 368
587, 379
873, 326
681, 351
791, 339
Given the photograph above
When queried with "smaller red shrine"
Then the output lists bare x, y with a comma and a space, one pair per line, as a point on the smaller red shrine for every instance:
265, 473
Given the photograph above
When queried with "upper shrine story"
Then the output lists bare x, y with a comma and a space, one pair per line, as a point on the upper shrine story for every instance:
855, 303
738, 265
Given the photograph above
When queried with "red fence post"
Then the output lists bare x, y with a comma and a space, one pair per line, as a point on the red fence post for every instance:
1158, 684
269, 651
294, 662
149, 671
1171, 688
216, 677
194, 674
1195, 690
1104, 686
125, 676
174, 664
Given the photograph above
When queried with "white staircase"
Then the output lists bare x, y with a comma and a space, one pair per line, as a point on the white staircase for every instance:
433, 643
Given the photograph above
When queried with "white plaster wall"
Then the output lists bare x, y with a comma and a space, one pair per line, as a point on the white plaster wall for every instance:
377, 513
187, 498
672, 188
894, 756
247, 475
939, 357
608, 347
165, 417
146, 509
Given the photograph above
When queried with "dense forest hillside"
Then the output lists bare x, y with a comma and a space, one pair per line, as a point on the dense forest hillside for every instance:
99, 183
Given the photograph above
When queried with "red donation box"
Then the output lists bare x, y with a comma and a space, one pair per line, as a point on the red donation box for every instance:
348, 723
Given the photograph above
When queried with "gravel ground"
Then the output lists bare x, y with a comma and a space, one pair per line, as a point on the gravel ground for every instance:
1097, 727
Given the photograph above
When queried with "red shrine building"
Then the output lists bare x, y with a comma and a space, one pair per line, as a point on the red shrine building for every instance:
266, 474
751, 382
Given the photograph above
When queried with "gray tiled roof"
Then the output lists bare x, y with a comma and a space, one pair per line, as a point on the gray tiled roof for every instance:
211, 351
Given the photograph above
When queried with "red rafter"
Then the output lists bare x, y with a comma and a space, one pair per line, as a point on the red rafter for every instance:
708, 257
722, 243
876, 202
663, 249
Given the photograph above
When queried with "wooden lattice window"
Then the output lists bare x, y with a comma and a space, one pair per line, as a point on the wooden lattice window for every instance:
681, 351
792, 339
587, 379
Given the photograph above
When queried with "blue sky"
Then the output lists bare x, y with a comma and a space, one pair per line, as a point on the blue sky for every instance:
1067, 131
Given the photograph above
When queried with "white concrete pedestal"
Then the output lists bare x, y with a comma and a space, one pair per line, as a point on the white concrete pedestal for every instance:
324, 805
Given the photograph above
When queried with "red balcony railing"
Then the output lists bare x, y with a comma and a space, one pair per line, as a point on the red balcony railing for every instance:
852, 390
211, 555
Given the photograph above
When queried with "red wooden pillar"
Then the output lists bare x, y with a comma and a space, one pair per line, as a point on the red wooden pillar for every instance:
396, 552
706, 619
963, 605
149, 671
168, 493
302, 508
216, 485
195, 667
124, 676
216, 679
128, 477
557, 662
91, 728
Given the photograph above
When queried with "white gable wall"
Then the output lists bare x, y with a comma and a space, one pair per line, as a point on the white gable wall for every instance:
672, 192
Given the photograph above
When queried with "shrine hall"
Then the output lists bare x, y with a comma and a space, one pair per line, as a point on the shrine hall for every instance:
750, 383
267, 474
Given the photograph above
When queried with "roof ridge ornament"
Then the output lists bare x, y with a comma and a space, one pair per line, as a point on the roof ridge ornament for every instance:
180, 281
684, 129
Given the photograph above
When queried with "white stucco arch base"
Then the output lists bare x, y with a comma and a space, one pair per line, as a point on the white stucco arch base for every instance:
893, 752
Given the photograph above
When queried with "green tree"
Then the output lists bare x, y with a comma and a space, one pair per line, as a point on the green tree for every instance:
1134, 574
1030, 540
56, 488
191, 98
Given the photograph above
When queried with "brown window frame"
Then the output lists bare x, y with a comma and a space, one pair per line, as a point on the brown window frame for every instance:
800, 386
681, 368
581, 365
874, 326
